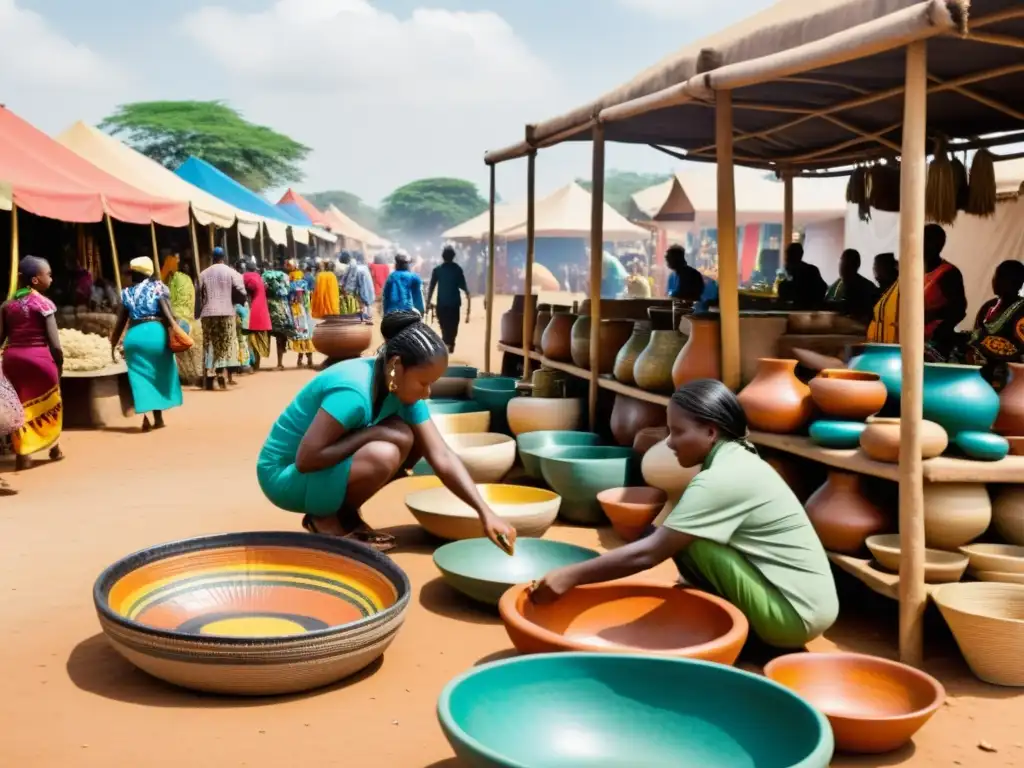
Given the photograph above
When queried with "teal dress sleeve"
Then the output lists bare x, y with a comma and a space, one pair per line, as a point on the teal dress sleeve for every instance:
414, 414
346, 407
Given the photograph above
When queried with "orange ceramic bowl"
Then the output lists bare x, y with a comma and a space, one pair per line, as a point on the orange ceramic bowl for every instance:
631, 510
627, 617
874, 705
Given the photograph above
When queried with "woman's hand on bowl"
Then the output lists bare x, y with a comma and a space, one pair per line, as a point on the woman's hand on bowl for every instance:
501, 533
552, 586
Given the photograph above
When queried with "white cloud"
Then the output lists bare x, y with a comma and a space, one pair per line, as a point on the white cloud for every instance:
669, 9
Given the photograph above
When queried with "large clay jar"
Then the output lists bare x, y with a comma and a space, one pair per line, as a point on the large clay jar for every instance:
653, 368
556, 342
630, 415
880, 440
848, 395
1008, 513
625, 360
701, 356
648, 438
661, 469
340, 337
511, 329
955, 514
958, 398
614, 334
540, 324
776, 400
1010, 421
842, 516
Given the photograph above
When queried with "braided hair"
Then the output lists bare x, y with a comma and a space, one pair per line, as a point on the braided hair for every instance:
712, 402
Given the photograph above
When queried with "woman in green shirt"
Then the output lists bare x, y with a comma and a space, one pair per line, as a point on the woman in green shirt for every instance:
738, 531
355, 426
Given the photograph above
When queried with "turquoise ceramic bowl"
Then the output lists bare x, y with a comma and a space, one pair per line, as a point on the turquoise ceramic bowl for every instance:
596, 710
982, 446
579, 473
446, 406
532, 442
494, 393
481, 571
958, 399
836, 434
460, 372
887, 362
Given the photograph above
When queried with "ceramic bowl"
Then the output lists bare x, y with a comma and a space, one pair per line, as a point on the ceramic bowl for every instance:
940, 567
631, 510
874, 705
455, 417
1005, 578
987, 621
494, 392
448, 406
531, 511
604, 710
579, 473
627, 617
532, 442
1016, 445
837, 434
982, 446
272, 613
481, 571
880, 440
1002, 558
487, 456
848, 395
661, 470
543, 414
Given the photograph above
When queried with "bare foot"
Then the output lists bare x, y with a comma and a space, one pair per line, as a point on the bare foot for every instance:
146, 426
158, 421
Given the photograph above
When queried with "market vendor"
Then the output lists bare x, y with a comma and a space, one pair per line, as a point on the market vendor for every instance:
852, 294
803, 287
685, 283
945, 301
998, 336
356, 426
738, 530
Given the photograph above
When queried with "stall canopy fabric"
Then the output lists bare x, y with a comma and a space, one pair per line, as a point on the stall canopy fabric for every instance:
48, 179
292, 201
349, 229
566, 213
296, 213
133, 167
506, 216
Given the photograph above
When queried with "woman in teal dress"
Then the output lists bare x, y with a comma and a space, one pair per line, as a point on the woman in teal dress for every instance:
355, 426
152, 371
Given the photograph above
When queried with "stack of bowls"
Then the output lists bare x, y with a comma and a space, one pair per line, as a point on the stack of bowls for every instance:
532, 443
456, 417
579, 473
495, 393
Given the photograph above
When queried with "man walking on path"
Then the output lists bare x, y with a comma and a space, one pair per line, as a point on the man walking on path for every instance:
450, 281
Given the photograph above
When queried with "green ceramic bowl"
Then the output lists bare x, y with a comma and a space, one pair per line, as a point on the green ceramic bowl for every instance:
598, 710
480, 570
837, 434
579, 473
532, 442
444, 406
494, 393
460, 372
982, 446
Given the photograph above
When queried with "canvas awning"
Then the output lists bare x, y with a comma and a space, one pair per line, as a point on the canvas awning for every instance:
566, 213
350, 229
506, 216
48, 179
293, 202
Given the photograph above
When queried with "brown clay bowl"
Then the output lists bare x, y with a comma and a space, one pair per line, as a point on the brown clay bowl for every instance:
848, 395
631, 510
627, 617
1001, 558
1016, 446
874, 705
940, 567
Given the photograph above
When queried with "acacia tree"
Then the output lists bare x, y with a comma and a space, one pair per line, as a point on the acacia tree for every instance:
172, 131
427, 207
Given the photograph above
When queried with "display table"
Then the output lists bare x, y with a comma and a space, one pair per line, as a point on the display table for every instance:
97, 399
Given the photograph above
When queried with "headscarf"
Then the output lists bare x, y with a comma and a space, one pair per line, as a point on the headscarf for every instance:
142, 265
169, 267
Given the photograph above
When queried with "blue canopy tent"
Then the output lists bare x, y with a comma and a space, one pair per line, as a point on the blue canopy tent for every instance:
296, 213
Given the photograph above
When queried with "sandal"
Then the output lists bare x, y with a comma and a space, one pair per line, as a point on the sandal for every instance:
381, 542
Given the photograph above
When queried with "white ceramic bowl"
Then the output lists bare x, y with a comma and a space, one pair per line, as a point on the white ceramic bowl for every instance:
462, 423
488, 456
536, 414
531, 511
939, 567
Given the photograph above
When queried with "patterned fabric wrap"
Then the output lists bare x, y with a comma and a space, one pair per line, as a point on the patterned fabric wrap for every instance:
143, 299
298, 296
12, 415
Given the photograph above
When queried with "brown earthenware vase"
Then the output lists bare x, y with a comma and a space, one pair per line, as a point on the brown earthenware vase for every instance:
653, 368
1010, 421
540, 323
629, 416
955, 514
341, 337
511, 329
776, 400
556, 342
614, 334
625, 360
880, 440
648, 438
842, 516
701, 356
848, 395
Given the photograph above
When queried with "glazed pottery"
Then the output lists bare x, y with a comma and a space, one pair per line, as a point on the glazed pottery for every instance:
1008, 513
955, 514
880, 440
661, 470
848, 395
653, 368
842, 516
629, 416
510, 329
579, 473
701, 355
631, 510
614, 335
940, 567
547, 382
462, 423
252, 614
874, 705
486, 456
616, 710
1010, 421
540, 323
1004, 558
495, 393
1002, 578
1016, 445
533, 442
483, 572
982, 446
958, 399
625, 360
556, 343
648, 438
887, 362
535, 414
836, 434
342, 337
531, 511
776, 400
987, 621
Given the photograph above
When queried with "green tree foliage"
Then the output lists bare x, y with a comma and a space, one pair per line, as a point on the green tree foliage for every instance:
620, 186
170, 131
427, 207
349, 204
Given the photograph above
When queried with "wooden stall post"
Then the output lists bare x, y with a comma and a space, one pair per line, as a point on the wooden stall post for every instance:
728, 267
14, 250
787, 212
156, 252
529, 306
195, 245
238, 234
913, 597
489, 303
213, 238
113, 252
596, 263
263, 247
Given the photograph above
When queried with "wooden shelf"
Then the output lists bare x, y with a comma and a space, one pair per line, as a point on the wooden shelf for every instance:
884, 583
518, 351
607, 382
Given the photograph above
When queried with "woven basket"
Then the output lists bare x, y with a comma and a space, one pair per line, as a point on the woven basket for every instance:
987, 620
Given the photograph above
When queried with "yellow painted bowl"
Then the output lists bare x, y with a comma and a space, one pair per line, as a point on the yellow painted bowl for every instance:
252, 613
531, 511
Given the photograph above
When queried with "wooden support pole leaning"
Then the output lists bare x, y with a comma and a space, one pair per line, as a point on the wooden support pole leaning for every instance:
787, 211
156, 250
596, 262
529, 305
113, 252
14, 250
489, 301
195, 245
913, 179
728, 267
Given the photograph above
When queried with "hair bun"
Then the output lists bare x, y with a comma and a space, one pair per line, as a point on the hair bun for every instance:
396, 322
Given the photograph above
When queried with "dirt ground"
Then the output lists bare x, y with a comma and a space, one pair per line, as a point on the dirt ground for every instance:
66, 699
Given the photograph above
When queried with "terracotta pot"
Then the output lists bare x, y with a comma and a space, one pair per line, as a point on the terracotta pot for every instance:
701, 356
511, 329
614, 334
1008, 513
540, 324
776, 400
848, 395
842, 516
534, 414
629, 416
661, 469
1010, 421
955, 514
556, 342
625, 360
880, 440
631, 510
648, 438
653, 368
341, 337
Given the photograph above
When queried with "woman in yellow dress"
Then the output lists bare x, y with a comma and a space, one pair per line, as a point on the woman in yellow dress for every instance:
176, 275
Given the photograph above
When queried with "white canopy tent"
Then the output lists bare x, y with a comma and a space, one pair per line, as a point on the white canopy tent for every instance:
566, 213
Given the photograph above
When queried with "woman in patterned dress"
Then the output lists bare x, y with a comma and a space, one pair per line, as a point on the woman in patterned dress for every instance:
177, 275
281, 325
12, 416
998, 336
298, 298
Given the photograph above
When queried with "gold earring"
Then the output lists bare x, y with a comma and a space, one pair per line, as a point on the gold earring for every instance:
392, 386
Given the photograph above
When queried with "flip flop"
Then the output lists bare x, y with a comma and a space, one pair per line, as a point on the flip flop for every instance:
382, 542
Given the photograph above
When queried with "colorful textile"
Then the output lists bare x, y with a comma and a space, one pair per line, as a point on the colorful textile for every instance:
12, 415
348, 305
142, 300
152, 372
302, 322
216, 287
169, 267
934, 298
358, 282
325, 296
997, 339
183, 304
379, 274
403, 291
277, 285
245, 358
885, 317
259, 312
260, 343
220, 342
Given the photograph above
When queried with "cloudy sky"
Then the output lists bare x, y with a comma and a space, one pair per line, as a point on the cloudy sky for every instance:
384, 91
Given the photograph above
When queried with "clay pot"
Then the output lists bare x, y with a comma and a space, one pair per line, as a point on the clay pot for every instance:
880, 440
776, 400
556, 342
701, 356
661, 469
848, 395
341, 337
631, 510
842, 516
955, 514
534, 414
958, 398
540, 324
547, 382
653, 368
519, 303
614, 334
629, 416
625, 360
1010, 421
648, 438
511, 329
1008, 513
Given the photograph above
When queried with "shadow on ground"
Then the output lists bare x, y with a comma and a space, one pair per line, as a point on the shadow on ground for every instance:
437, 597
